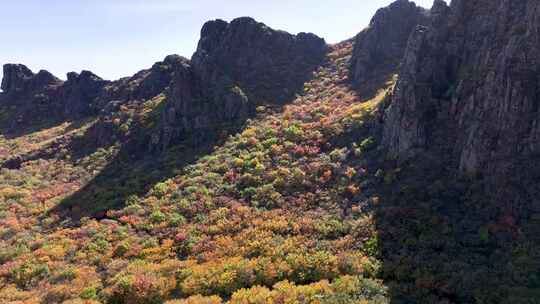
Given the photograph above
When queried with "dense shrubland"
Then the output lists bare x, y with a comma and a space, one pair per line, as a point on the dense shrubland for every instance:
300, 206
266, 217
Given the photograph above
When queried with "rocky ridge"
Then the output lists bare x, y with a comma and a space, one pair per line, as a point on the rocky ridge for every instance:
380, 47
236, 67
81, 95
417, 219
467, 88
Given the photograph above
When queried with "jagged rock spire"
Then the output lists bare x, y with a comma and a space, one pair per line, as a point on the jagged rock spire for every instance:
380, 47
269, 65
15, 77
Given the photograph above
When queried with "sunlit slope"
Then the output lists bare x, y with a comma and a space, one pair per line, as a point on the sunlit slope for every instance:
279, 210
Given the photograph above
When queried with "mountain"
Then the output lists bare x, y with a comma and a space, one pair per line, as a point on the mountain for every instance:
468, 89
399, 166
380, 47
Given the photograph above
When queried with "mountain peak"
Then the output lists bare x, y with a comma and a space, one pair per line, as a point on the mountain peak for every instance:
250, 53
19, 79
15, 75
381, 46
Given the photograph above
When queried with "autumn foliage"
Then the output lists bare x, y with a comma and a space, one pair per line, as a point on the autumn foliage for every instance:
265, 218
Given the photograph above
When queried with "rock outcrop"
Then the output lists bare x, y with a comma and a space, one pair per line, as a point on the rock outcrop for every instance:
32, 95
380, 47
269, 66
236, 67
78, 94
20, 80
197, 109
144, 84
16, 78
468, 91
42, 96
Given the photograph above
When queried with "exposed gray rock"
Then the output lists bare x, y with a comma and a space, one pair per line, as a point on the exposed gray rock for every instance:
78, 94
16, 76
197, 109
380, 47
237, 66
20, 80
269, 65
469, 90
144, 84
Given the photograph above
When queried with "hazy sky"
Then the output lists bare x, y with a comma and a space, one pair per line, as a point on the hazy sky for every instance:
116, 38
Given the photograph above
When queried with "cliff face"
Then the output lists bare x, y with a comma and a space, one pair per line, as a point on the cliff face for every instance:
78, 94
197, 109
39, 97
236, 67
269, 65
380, 47
468, 91
32, 95
143, 85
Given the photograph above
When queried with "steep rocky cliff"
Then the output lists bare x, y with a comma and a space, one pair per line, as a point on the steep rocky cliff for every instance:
28, 93
18, 79
269, 65
197, 109
23, 88
236, 67
380, 47
468, 91
143, 85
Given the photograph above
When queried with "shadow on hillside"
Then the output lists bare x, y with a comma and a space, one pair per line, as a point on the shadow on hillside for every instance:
446, 239
368, 89
17, 120
12, 129
133, 171
47, 151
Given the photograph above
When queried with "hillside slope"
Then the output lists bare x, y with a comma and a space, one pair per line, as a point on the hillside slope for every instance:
272, 205
274, 168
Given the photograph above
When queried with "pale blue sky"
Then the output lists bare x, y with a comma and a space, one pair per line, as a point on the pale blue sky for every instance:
116, 38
